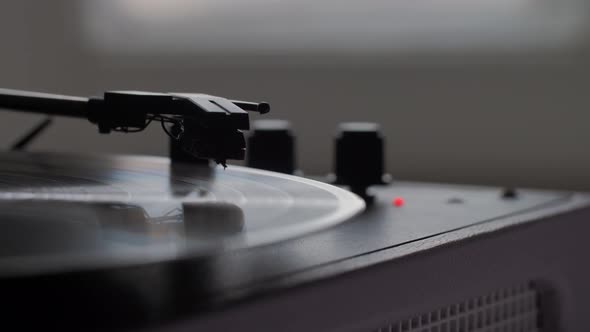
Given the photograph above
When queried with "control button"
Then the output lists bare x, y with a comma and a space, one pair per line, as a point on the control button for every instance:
359, 160
455, 200
509, 193
271, 146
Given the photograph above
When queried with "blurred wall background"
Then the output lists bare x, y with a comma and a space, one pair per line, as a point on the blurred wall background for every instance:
488, 92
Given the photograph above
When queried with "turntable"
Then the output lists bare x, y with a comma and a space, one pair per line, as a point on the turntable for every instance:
94, 242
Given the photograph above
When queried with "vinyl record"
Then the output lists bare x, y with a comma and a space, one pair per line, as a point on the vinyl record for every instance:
61, 212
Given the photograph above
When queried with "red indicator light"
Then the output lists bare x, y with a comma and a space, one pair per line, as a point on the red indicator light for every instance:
398, 201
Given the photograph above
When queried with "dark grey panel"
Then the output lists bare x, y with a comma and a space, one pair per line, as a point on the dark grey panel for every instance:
550, 252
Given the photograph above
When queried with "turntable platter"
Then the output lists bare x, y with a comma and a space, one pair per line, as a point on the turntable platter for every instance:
61, 212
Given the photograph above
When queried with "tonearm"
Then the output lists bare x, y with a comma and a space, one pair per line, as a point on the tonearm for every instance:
205, 126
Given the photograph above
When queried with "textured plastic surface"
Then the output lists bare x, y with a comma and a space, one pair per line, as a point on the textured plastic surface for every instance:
512, 308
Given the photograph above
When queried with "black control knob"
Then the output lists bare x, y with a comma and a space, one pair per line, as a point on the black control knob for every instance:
359, 161
272, 146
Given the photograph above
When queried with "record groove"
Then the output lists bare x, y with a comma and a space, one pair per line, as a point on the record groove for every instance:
72, 212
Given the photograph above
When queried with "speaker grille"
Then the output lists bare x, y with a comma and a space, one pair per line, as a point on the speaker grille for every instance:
509, 309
